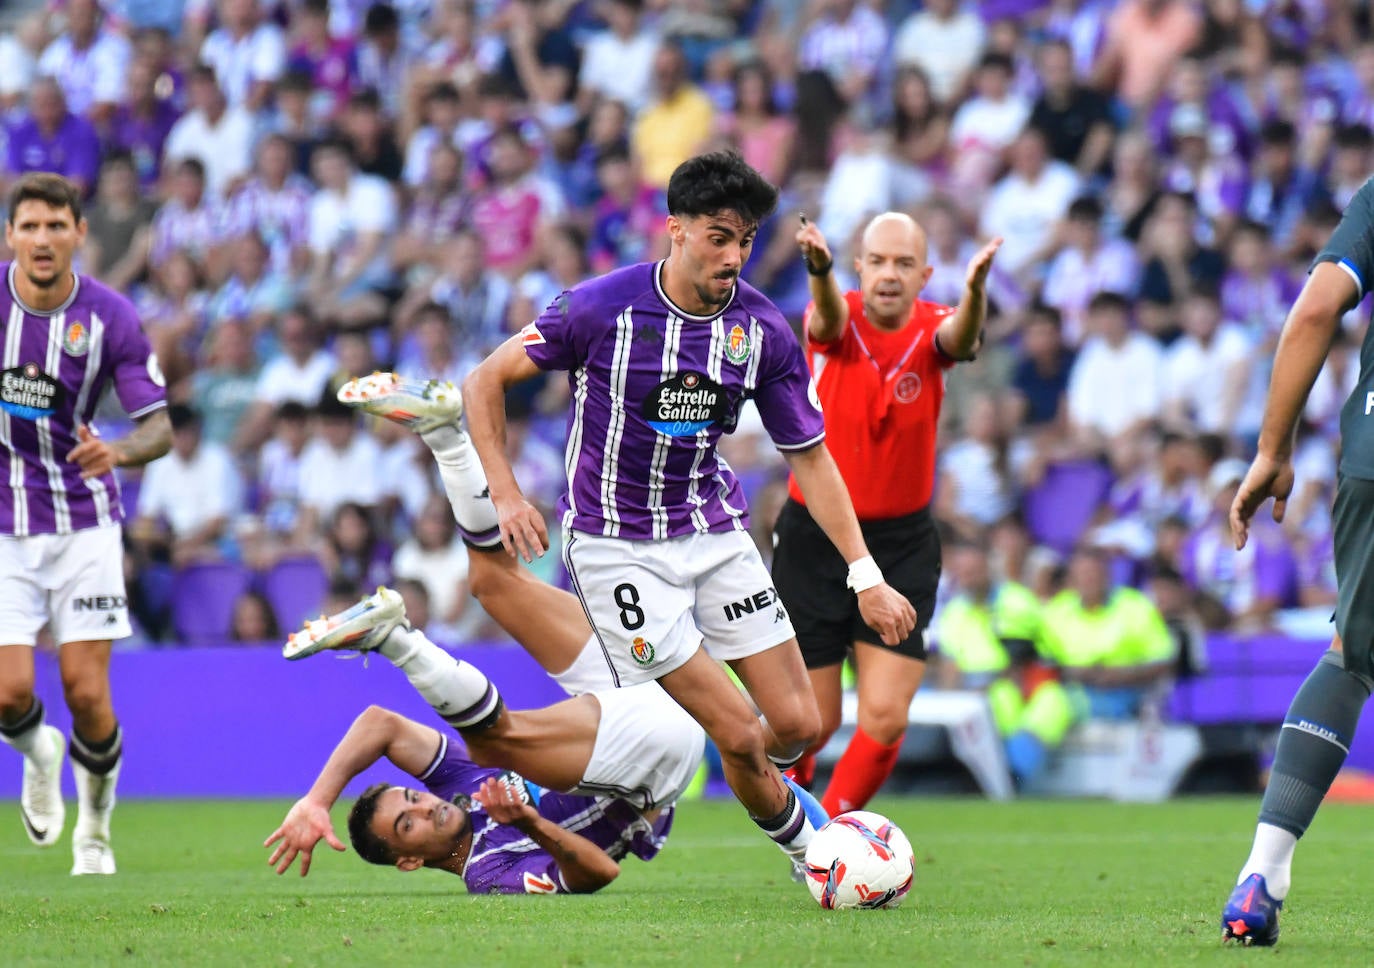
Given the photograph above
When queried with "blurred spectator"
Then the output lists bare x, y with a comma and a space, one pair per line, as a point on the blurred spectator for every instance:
1174, 263
154, 49
297, 373
847, 41
253, 620
339, 466
474, 296
1040, 381
247, 52
617, 62
352, 553
279, 480
223, 388
1025, 206
676, 123
1145, 39
437, 558
629, 216
213, 133
761, 134
977, 474
189, 222
1076, 120
170, 526
1217, 181
118, 225
945, 40
1133, 192
510, 209
48, 137
1116, 380
142, 124
1350, 164
1255, 292
384, 62
255, 293
442, 110
1191, 88
433, 349
369, 134
920, 124
1207, 368
290, 118
172, 307
1159, 479
1280, 187
274, 203
90, 61
1114, 654
984, 127
1238, 589
541, 60
1086, 265
18, 61
331, 62
438, 209
415, 598
351, 214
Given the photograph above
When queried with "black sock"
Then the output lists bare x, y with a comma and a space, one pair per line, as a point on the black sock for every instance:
786, 825
1313, 744
30, 720
99, 757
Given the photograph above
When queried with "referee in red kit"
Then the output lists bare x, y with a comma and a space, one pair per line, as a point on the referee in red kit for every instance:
878, 356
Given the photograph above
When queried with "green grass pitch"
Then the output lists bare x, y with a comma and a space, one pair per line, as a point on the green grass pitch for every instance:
1034, 883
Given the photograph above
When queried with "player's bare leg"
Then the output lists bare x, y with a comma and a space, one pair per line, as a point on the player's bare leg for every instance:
887, 682
777, 682
701, 687
97, 750
827, 683
42, 746
547, 622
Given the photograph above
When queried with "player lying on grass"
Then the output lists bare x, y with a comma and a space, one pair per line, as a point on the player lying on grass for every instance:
548, 622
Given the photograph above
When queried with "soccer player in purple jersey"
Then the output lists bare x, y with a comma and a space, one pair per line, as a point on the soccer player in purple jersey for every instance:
624, 755
67, 338
660, 358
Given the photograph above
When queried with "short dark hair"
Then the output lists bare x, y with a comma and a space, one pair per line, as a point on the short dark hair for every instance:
45, 186
183, 416
380, 18
1110, 301
292, 410
720, 181
1085, 208
369, 846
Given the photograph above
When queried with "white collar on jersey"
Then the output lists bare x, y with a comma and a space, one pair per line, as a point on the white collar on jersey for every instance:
678, 310
66, 303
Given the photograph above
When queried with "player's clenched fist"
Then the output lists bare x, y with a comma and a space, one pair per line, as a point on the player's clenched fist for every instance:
887, 612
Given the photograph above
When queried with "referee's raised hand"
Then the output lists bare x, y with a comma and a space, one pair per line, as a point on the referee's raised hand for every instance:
813, 246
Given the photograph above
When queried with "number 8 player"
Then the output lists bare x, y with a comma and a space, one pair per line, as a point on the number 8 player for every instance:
660, 357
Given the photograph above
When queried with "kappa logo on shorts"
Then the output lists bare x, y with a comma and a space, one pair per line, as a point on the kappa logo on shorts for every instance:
641, 650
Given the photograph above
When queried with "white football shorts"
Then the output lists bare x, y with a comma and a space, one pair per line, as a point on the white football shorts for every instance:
652, 603
647, 748
73, 581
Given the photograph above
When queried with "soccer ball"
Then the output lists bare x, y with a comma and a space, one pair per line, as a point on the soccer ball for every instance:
859, 859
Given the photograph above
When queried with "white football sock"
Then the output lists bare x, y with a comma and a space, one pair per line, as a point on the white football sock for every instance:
465, 484
458, 691
1272, 858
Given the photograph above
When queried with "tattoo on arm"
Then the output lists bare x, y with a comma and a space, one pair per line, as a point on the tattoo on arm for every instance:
146, 442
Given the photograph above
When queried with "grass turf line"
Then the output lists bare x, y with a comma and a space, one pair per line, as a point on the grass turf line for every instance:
1034, 883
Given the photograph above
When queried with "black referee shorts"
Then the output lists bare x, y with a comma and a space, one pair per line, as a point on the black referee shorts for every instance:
810, 576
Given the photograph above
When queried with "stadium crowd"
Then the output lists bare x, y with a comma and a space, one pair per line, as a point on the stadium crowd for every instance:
296, 193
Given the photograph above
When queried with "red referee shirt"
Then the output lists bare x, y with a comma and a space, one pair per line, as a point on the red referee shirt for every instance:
881, 392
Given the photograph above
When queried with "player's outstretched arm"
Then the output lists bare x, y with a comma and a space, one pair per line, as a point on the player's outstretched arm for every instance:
148, 441
375, 734
958, 335
1303, 345
583, 865
885, 610
484, 398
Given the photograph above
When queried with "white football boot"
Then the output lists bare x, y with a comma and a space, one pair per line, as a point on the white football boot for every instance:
95, 793
420, 405
40, 801
361, 628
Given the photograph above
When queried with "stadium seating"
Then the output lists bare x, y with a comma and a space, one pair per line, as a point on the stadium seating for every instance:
1061, 506
294, 587
203, 597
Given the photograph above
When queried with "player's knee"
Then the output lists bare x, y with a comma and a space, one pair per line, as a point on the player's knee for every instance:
16, 699
884, 721
85, 693
742, 740
800, 730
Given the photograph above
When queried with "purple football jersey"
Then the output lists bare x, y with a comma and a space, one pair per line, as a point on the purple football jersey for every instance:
653, 389
53, 369
504, 861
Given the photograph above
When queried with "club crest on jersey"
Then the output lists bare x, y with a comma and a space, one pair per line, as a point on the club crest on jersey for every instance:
641, 650
685, 404
77, 340
737, 345
29, 393
907, 388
